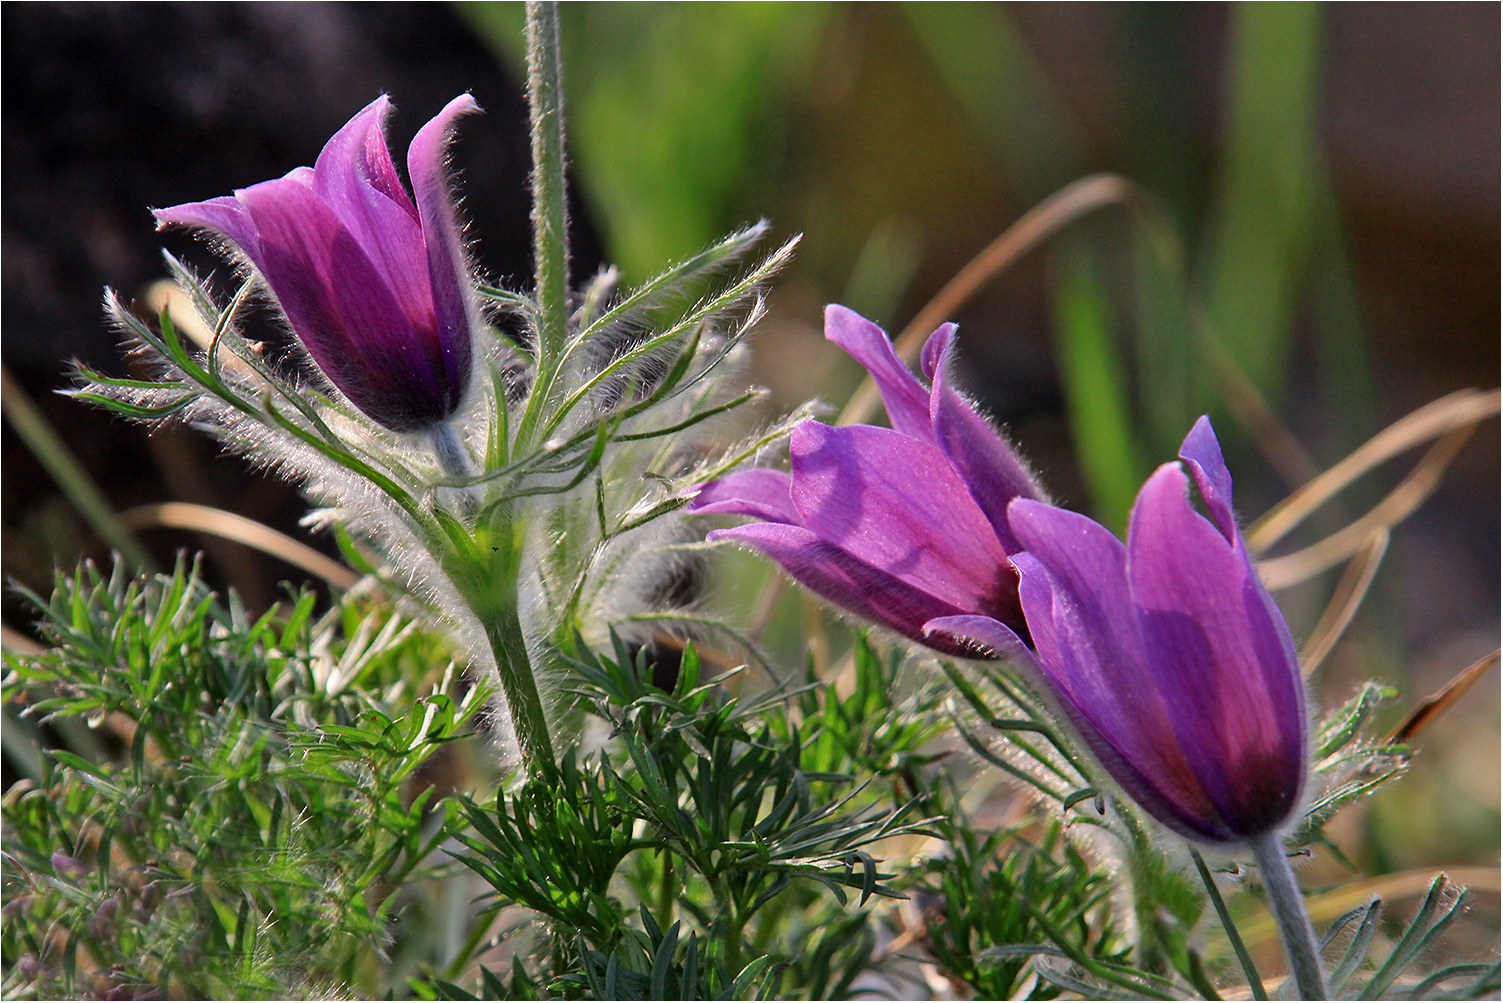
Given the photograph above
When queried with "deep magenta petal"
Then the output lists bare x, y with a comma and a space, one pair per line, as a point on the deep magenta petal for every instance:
1236, 699
223, 215
906, 401
355, 176
991, 469
896, 504
849, 582
448, 272
358, 151
376, 288
760, 493
343, 310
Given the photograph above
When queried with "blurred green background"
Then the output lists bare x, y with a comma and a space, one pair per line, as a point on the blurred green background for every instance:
1318, 189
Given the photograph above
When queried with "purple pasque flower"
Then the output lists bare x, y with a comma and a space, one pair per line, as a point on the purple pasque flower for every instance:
900, 526
375, 287
1167, 654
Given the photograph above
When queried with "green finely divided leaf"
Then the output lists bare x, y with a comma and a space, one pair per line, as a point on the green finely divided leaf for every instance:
728, 806
250, 838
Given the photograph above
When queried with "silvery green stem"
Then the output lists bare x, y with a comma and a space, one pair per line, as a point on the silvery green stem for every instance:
450, 451
1288, 905
550, 217
504, 630
486, 578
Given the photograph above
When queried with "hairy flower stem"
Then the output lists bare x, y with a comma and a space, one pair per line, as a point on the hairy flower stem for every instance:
550, 217
1289, 912
450, 451
504, 631
486, 577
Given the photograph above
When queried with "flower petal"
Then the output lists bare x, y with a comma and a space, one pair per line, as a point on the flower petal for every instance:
1202, 453
907, 403
852, 584
990, 468
359, 148
761, 493
1227, 668
222, 215
983, 632
448, 272
896, 504
932, 358
1073, 585
341, 307
355, 176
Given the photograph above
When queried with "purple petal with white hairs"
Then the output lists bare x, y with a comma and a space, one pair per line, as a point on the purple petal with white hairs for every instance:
989, 466
355, 176
325, 282
1229, 672
894, 503
920, 506
761, 493
852, 584
447, 269
907, 403
375, 287
1168, 654
1073, 588
984, 638
223, 215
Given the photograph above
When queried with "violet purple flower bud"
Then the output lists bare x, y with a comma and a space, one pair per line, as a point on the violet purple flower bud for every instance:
899, 526
376, 288
1168, 654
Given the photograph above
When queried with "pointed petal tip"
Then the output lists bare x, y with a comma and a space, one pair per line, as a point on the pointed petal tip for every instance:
835, 313
906, 400
1201, 446
808, 435
937, 349
462, 105
1201, 452
759, 492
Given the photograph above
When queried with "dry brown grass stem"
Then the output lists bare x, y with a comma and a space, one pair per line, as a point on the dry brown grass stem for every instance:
13, 640
1350, 591
1461, 409
1282, 572
1032, 228
1278, 446
228, 525
1442, 700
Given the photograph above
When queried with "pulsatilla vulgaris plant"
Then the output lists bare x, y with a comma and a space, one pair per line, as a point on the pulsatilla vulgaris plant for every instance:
520, 463
506, 481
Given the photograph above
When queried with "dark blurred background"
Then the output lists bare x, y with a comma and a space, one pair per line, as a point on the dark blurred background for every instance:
1329, 175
